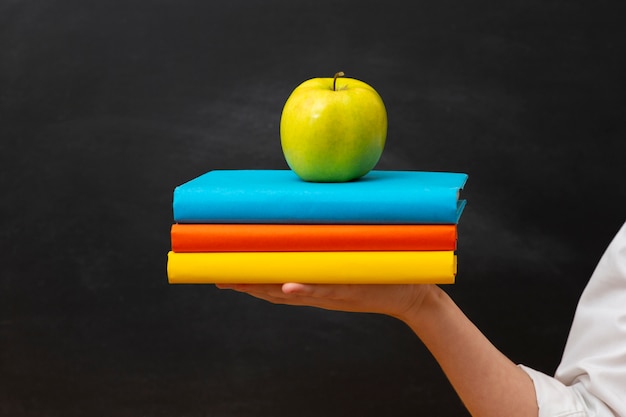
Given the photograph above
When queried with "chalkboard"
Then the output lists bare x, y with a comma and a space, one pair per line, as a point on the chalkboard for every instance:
106, 106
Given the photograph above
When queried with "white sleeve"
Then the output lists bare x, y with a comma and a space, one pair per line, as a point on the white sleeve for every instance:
591, 379
556, 399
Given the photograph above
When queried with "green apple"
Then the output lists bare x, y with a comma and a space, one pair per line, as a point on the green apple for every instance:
333, 129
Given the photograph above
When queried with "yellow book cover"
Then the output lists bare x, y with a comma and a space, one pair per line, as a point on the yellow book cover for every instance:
364, 267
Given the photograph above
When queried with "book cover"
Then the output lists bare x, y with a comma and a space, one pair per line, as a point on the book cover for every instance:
279, 196
384, 267
311, 237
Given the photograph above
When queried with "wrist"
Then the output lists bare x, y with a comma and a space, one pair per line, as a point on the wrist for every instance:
421, 297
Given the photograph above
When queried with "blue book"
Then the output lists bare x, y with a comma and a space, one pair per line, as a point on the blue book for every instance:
280, 196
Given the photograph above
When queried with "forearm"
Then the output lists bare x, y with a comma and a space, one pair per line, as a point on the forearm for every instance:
487, 382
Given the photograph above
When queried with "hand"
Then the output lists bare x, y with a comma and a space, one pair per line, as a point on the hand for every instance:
392, 300
475, 367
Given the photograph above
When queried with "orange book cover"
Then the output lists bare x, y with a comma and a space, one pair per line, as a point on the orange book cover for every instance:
312, 237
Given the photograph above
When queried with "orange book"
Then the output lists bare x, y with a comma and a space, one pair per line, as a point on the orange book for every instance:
312, 237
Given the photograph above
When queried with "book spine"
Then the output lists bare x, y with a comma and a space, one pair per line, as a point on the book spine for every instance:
306, 237
392, 267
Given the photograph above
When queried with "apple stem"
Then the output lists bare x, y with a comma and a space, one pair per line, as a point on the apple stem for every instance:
337, 75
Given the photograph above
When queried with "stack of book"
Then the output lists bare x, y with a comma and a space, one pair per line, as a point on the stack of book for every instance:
268, 226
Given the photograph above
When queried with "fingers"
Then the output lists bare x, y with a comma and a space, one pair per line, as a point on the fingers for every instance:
317, 291
294, 294
328, 291
295, 290
331, 297
268, 292
386, 299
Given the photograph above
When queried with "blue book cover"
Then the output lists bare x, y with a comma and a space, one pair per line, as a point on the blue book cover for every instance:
280, 196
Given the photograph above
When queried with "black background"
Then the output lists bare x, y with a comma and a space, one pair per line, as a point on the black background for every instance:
106, 106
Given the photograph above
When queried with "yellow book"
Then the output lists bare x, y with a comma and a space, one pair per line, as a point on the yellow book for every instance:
364, 267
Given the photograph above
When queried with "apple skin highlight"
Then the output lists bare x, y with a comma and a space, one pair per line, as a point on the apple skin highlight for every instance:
333, 134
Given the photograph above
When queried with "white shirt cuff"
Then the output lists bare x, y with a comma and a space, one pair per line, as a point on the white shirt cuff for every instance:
555, 399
